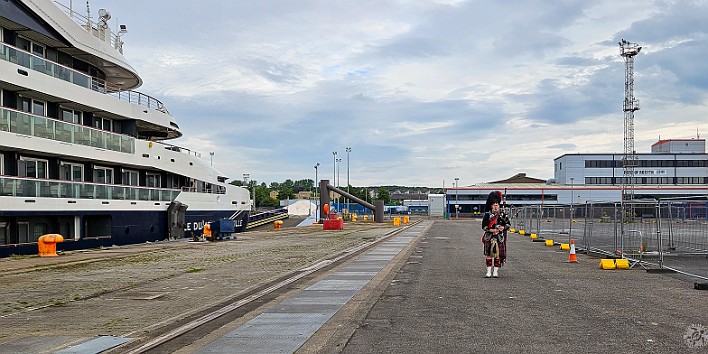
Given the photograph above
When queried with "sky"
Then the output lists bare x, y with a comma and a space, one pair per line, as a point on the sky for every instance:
423, 92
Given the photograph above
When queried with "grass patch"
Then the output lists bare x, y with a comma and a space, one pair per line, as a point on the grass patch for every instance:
194, 270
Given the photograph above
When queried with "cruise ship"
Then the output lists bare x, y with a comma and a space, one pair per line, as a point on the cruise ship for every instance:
84, 155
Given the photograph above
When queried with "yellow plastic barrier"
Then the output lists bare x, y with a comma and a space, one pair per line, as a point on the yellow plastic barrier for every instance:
353, 217
622, 263
534, 236
366, 217
522, 232
549, 243
512, 230
47, 244
396, 221
607, 263
405, 219
565, 246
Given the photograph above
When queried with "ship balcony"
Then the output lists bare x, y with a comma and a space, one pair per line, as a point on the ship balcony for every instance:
39, 64
43, 188
48, 128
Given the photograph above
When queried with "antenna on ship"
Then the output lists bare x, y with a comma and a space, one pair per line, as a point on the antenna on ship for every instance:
88, 15
119, 40
628, 51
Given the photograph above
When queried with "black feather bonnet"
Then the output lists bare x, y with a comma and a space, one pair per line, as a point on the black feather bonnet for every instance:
494, 197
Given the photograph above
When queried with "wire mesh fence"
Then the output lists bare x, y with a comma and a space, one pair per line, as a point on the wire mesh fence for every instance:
665, 233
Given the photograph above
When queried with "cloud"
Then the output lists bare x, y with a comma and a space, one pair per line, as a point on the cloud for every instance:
422, 91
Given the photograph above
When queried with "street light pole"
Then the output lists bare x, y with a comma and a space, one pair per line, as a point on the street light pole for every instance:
334, 167
339, 163
315, 184
347, 199
457, 203
315, 197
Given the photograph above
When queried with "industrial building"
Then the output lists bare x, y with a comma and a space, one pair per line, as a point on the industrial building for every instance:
674, 168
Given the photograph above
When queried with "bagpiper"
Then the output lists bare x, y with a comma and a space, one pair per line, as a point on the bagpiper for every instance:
495, 225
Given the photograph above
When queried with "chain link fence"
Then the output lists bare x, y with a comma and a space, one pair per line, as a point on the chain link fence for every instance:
667, 234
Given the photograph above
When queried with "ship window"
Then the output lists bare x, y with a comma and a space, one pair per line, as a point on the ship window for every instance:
24, 104
23, 231
152, 180
72, 116
38, 50
34, 168
102, 175
103, 123
29, 105
23, 43
130, 177
172, 181
71, 171
38, 108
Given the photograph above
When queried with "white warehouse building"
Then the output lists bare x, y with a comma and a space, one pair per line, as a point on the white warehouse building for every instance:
674, 168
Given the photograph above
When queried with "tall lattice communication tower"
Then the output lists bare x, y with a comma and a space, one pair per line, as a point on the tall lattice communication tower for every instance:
628, 51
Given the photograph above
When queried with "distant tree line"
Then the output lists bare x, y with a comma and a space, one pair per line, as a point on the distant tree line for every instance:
290, 188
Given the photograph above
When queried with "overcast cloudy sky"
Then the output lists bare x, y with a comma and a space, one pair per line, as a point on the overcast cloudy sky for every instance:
422, 91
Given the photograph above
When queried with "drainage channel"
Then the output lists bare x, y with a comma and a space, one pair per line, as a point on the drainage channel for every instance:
332, 293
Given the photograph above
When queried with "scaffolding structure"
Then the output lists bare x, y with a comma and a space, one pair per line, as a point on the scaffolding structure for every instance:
628, 51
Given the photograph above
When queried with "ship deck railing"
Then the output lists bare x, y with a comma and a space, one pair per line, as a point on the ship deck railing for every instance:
266, 217
20, 122
33, 62
45, 188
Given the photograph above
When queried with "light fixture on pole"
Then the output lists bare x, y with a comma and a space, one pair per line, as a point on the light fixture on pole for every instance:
211, 158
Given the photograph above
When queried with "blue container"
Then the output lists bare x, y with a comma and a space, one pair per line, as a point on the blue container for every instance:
223, 226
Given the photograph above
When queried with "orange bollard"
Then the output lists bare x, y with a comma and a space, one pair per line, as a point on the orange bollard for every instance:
47, 244
207, 232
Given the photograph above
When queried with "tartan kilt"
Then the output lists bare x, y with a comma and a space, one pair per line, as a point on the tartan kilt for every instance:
487, 238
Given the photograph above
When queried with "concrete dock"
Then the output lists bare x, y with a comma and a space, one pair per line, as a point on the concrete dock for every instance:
419, 291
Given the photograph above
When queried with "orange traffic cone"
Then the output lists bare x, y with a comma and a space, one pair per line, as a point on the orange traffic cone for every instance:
571, 257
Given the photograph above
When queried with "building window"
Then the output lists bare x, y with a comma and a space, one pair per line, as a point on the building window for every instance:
103, 175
